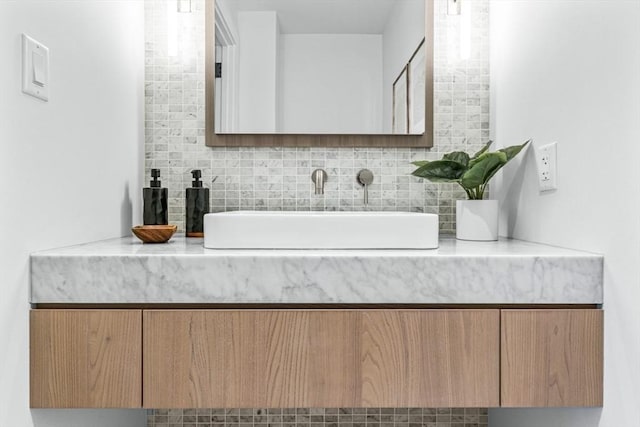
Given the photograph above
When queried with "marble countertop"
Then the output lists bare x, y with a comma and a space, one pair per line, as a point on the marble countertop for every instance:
124, 270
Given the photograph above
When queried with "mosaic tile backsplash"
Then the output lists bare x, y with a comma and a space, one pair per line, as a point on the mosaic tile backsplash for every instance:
279, 178
319, 417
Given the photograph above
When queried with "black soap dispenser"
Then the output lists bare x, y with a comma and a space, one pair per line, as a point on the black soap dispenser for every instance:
155, 202
197, 206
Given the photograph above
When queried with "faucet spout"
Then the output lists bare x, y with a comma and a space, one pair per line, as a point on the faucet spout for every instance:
319, 177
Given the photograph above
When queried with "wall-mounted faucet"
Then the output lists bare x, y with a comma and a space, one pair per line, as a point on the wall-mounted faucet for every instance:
319, 177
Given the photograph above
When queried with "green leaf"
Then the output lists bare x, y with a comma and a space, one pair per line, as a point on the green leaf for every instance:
483, 168
475, 160
473, 173
440, 171
420, 162
457, 156
513, 151
482, 150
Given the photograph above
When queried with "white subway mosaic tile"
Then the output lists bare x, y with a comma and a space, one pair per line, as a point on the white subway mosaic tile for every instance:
319, 417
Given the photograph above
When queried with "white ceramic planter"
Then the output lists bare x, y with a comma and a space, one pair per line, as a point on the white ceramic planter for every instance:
477, 220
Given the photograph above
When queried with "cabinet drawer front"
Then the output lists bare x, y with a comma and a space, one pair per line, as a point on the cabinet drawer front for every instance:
249, 359
551, 358
430, 358
320, 358
86, 358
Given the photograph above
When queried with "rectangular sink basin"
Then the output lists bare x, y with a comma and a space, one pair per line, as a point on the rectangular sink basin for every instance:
320, 230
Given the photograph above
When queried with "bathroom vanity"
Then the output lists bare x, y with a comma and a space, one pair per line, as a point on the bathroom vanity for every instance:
119, 324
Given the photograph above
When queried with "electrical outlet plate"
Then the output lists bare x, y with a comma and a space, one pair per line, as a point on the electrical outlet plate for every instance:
546, 160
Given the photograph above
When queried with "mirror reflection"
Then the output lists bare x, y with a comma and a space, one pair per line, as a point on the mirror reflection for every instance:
320, 66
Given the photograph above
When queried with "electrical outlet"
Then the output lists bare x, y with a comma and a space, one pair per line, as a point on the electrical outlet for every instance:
546, 159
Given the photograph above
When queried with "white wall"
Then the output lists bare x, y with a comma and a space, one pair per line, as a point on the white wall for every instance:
331, 83
69, 168
258, 69
569, 71
402, 34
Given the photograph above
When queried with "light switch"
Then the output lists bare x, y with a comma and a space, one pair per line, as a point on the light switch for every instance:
35, 68
38, 69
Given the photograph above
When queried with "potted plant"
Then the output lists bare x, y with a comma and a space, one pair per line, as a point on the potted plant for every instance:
476, 218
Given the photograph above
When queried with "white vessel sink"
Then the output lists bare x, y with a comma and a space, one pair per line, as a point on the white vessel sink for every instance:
320, 230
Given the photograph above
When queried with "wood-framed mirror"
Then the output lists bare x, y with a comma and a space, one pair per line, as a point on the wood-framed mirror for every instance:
267, 65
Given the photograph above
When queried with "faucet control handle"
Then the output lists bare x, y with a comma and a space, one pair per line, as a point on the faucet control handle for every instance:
365, 178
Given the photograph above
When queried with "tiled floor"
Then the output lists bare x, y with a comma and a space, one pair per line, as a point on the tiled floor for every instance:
319, 417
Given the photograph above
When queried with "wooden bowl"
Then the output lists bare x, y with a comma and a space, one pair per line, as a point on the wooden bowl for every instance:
154, 233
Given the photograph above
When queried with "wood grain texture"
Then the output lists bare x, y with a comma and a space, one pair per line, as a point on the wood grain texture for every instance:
247, 359
86, 358
551, 358
310, 358
242, 387
188, 346
290, 140
430, 358
321, 358
154, 233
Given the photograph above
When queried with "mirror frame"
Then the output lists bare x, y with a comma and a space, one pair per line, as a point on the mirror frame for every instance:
313, 140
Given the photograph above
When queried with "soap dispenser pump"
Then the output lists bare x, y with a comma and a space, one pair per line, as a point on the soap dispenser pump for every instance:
197, 205
155, 197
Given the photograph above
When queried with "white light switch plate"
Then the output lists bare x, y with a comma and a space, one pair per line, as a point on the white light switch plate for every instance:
35, 68
546, 160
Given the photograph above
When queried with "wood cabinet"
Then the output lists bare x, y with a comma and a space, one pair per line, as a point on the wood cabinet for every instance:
321, 358
272, 358
86, 358
551, 358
